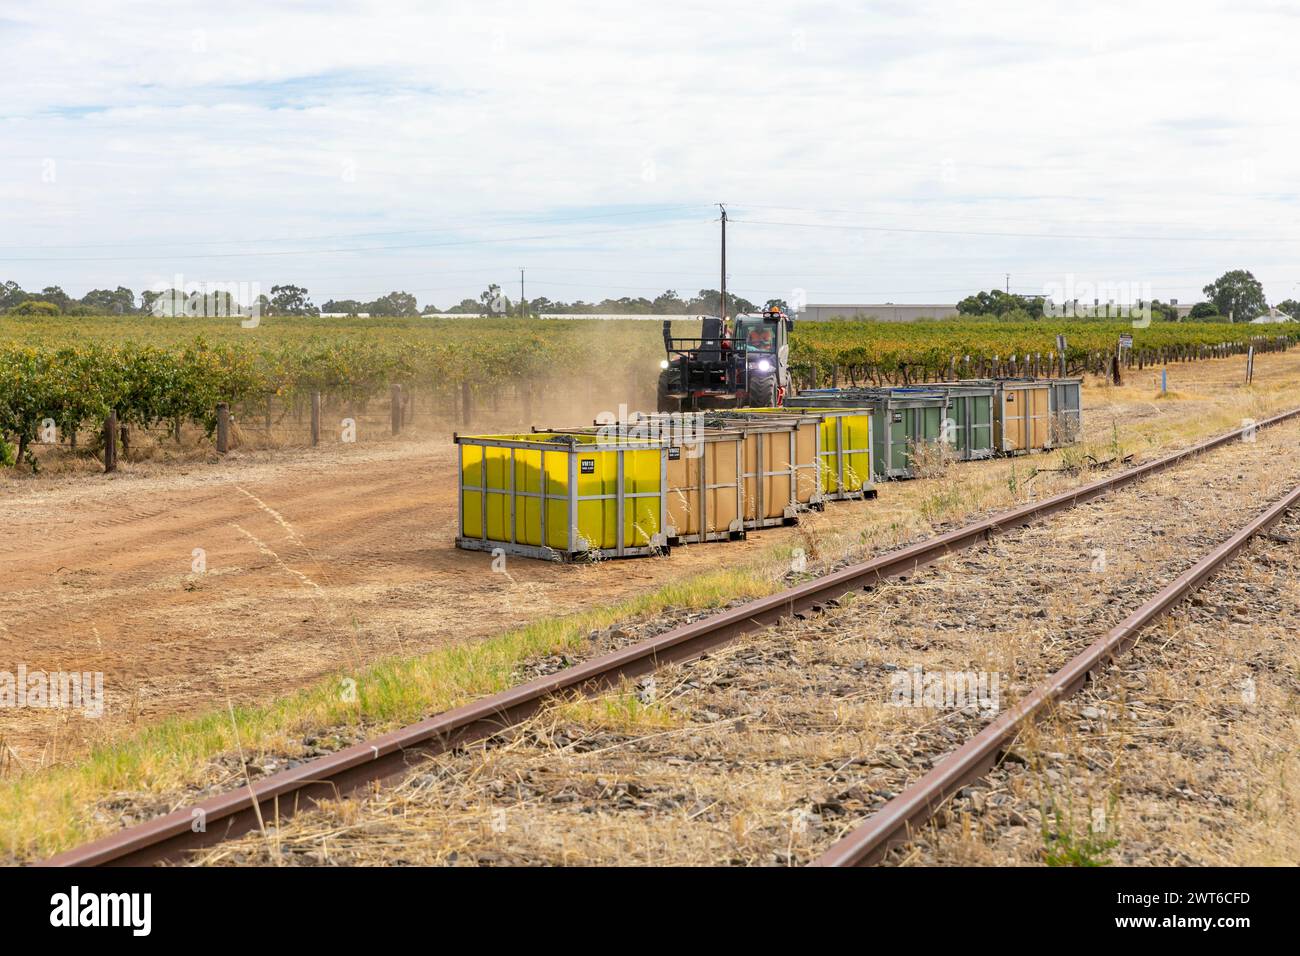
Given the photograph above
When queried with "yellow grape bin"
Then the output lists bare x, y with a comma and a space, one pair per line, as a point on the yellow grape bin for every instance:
562, 496
705, 487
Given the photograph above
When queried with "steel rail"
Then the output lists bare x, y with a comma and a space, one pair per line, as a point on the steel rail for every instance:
897, 820
282, 794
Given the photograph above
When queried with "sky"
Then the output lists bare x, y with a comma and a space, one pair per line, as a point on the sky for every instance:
866, 152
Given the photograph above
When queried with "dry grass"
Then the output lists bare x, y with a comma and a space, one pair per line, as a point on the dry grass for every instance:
1183, 754
177, 759
767, 750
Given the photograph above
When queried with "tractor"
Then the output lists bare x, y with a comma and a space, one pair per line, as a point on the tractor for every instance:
745, 363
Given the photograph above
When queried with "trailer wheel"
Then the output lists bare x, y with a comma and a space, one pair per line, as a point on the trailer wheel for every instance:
666, 402
762, 389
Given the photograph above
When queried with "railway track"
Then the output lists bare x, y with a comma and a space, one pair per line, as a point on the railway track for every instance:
1178, 753
278, 796
899, 819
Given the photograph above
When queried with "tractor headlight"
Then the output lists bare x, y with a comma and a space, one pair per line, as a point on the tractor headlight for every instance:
764, 365
663, 363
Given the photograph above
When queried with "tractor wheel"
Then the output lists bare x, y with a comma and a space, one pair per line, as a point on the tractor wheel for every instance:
666, 402
762, 389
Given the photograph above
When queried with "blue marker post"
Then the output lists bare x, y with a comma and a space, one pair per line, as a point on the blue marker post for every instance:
1164, 381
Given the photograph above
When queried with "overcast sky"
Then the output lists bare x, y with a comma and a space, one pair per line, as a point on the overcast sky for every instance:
907, 152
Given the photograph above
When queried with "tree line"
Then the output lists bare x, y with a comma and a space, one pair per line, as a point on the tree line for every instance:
52, 300
1236, 296
291, 299
493, 301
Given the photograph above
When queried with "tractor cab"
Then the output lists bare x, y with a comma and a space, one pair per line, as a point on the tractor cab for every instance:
755, 334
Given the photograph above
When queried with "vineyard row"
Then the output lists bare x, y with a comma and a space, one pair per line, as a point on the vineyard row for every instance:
75, 386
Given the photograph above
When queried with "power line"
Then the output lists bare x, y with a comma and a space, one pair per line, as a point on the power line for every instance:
1012, 235
314, 252
1036, 220
363, 235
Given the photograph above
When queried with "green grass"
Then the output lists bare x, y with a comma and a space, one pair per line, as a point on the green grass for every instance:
1066, 848
45, 812
1063, 846
624, 712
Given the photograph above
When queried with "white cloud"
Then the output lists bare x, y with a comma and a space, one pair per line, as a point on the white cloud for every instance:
134, 137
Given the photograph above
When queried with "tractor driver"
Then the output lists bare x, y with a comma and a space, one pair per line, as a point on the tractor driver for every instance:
760, 339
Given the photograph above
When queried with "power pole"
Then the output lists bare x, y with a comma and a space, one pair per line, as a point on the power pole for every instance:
523, 306
1008, 283
724, 263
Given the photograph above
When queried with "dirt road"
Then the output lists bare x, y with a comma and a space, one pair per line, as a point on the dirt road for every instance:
314, 562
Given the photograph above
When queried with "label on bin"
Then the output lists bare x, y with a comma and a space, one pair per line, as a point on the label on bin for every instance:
674, 454
898, 416
588, 466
